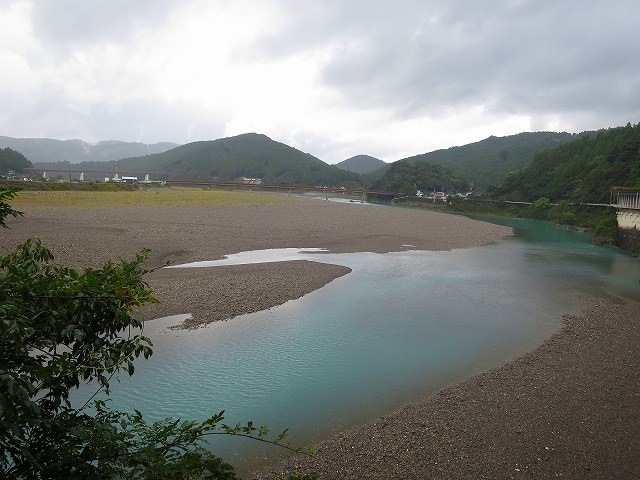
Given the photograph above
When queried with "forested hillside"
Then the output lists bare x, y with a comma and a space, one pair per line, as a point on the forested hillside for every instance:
489, 161
12, 160
584, 170
406, 177
249, 155
361, 164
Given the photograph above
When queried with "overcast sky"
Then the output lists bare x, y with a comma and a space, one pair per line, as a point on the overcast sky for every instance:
334, 78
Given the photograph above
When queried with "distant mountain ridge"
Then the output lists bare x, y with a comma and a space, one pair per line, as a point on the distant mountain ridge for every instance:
252, 155
361, 164
249, 155
39, 150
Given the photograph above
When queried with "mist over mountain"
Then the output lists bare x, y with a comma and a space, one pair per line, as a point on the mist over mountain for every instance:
76, 151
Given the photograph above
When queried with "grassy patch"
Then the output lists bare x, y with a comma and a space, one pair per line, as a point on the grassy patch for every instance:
159, 197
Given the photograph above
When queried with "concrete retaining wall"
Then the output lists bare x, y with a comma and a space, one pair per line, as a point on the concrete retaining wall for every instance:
629, 239
629, 219
629, 227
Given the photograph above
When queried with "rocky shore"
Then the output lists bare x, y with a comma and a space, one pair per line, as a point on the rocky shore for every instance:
566, 410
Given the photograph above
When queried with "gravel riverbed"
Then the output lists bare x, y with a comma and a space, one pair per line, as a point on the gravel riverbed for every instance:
88, 237
566, 410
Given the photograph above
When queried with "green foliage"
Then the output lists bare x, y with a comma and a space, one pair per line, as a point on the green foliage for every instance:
59, 328
606, 231
87, 186
584, 170
602, 221
538, 209
540, 203
12, 160
422, 176
6, 194
408, 190
488, 161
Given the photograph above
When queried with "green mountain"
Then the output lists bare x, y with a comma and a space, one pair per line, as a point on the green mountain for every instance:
488, 161
249, 155
584, 170
10, 160
361, 164
406, 177
75, 151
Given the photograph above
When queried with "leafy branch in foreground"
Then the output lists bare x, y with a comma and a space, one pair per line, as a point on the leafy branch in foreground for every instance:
7, 193
60, 328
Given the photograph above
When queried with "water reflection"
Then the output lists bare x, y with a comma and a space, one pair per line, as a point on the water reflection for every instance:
256, 256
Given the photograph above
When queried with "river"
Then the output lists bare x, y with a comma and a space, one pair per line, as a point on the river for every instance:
398, 328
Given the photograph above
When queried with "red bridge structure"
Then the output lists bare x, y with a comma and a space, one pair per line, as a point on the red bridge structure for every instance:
290, 188
79, 174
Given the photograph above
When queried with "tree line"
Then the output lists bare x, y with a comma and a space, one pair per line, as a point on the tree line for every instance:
407, 178
582, 171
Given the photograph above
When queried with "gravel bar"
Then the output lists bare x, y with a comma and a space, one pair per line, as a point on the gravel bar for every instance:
569, 409
88, 237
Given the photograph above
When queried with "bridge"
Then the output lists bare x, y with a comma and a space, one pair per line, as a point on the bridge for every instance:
79, 174
290, 188
626, 199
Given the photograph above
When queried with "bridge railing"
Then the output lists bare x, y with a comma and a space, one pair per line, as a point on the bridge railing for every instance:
626, 199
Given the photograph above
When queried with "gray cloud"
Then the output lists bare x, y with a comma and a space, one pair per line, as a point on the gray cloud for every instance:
65, 23
418, 57
454, 67
148, 122
145, 121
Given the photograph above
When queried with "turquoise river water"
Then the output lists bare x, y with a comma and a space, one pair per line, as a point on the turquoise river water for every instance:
395, 330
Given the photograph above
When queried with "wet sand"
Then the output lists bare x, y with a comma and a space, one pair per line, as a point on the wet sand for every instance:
566, 410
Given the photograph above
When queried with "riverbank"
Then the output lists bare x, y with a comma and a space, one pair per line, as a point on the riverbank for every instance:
89, 236
565, 410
